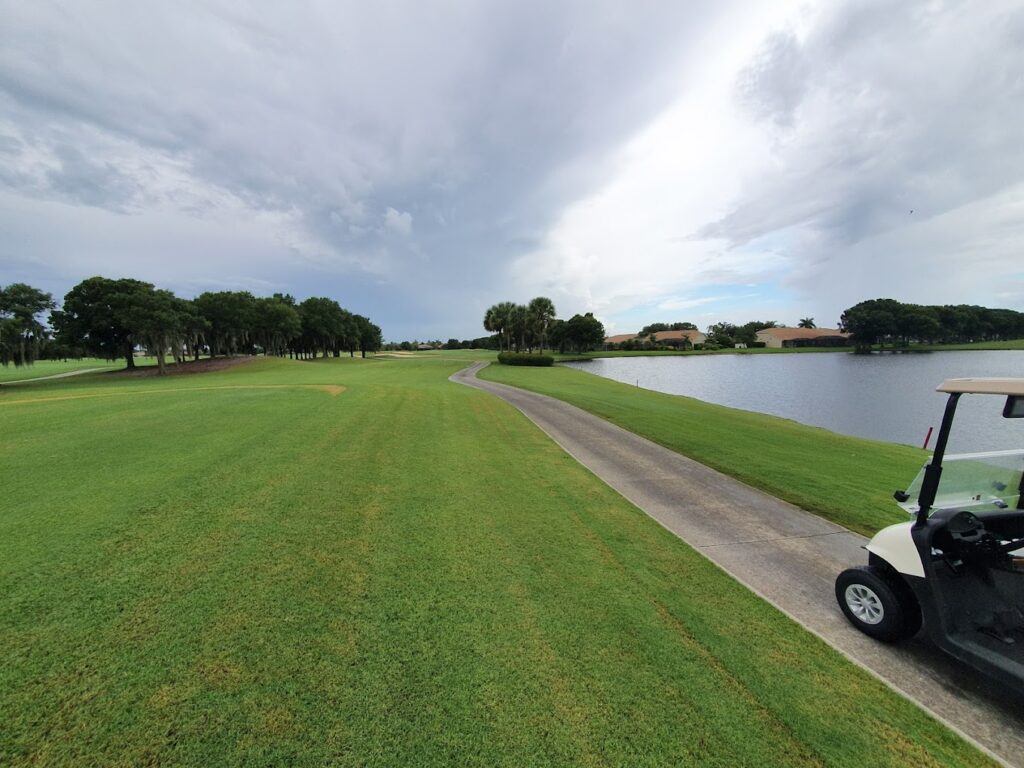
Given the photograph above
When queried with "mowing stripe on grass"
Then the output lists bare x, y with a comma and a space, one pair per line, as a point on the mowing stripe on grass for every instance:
332, 389
409, 575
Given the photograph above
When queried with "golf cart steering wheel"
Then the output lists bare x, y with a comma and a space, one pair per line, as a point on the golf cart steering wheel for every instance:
969, 532
965, 528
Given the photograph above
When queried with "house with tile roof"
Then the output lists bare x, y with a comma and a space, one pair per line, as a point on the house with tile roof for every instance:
803, 337
676, 339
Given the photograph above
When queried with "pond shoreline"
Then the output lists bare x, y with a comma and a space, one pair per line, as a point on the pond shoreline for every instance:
887, 397
981, 346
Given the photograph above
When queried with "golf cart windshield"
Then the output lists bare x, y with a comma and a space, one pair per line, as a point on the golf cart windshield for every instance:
980, 482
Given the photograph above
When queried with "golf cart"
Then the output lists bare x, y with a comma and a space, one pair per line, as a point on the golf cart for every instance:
959, 565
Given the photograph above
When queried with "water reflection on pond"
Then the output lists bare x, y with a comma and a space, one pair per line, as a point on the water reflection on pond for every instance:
882, 396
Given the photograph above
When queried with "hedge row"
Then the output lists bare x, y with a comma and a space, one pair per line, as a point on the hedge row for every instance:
524, 358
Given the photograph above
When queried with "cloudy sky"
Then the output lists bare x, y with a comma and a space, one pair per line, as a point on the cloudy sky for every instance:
419, 162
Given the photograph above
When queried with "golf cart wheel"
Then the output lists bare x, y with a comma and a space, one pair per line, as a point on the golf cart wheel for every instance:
876, 606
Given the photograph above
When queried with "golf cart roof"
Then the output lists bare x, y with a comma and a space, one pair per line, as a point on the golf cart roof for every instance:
983, 386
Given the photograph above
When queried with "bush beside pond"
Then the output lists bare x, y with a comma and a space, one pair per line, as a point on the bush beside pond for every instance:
525, 358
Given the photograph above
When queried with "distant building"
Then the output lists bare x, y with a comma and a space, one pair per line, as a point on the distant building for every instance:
680, 338
620, 338
676, 339
803, 337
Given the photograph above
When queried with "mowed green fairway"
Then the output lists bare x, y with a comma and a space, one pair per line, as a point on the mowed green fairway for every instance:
233, 569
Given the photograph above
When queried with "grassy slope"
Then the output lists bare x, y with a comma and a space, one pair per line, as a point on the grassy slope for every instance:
407, 573
845, 479
978, 345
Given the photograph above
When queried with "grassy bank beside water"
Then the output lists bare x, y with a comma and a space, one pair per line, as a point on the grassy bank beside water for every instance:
845, 479
353, 562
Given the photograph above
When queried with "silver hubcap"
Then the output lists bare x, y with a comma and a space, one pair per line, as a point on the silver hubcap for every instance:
864, 603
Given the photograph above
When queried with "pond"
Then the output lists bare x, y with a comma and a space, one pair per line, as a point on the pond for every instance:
887, 397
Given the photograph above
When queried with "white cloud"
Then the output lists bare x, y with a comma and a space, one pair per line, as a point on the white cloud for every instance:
675, 304
871, 121
734, 160
478, 120
630, 242
791, 160
400, 222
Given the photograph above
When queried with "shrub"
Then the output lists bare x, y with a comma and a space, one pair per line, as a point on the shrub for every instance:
524, 358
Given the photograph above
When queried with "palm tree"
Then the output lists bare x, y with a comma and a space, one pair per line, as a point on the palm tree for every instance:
541, 312
489, 323
520, 325
806, 322
504, 316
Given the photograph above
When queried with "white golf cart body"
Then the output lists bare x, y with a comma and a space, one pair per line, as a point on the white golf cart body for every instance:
959, 565
981, 483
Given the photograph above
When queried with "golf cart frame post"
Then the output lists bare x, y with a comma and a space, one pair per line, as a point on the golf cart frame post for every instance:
933, 473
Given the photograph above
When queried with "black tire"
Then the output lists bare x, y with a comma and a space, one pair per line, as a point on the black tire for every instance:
912, 615
876, 605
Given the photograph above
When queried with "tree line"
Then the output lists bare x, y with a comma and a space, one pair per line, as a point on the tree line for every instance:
887, 321
647, 330
21, 333
111, 318
534, 326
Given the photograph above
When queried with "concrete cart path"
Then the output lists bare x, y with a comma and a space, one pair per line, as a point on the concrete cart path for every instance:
52, 376
784, 554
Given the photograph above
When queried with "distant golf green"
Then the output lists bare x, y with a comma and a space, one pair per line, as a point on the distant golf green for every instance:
352, 562
845, 479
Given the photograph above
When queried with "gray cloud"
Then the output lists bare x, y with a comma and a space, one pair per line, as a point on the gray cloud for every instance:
475, 121
82, 179
401, 156
774, 84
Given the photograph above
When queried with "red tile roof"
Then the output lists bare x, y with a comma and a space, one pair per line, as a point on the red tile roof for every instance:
800, 333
